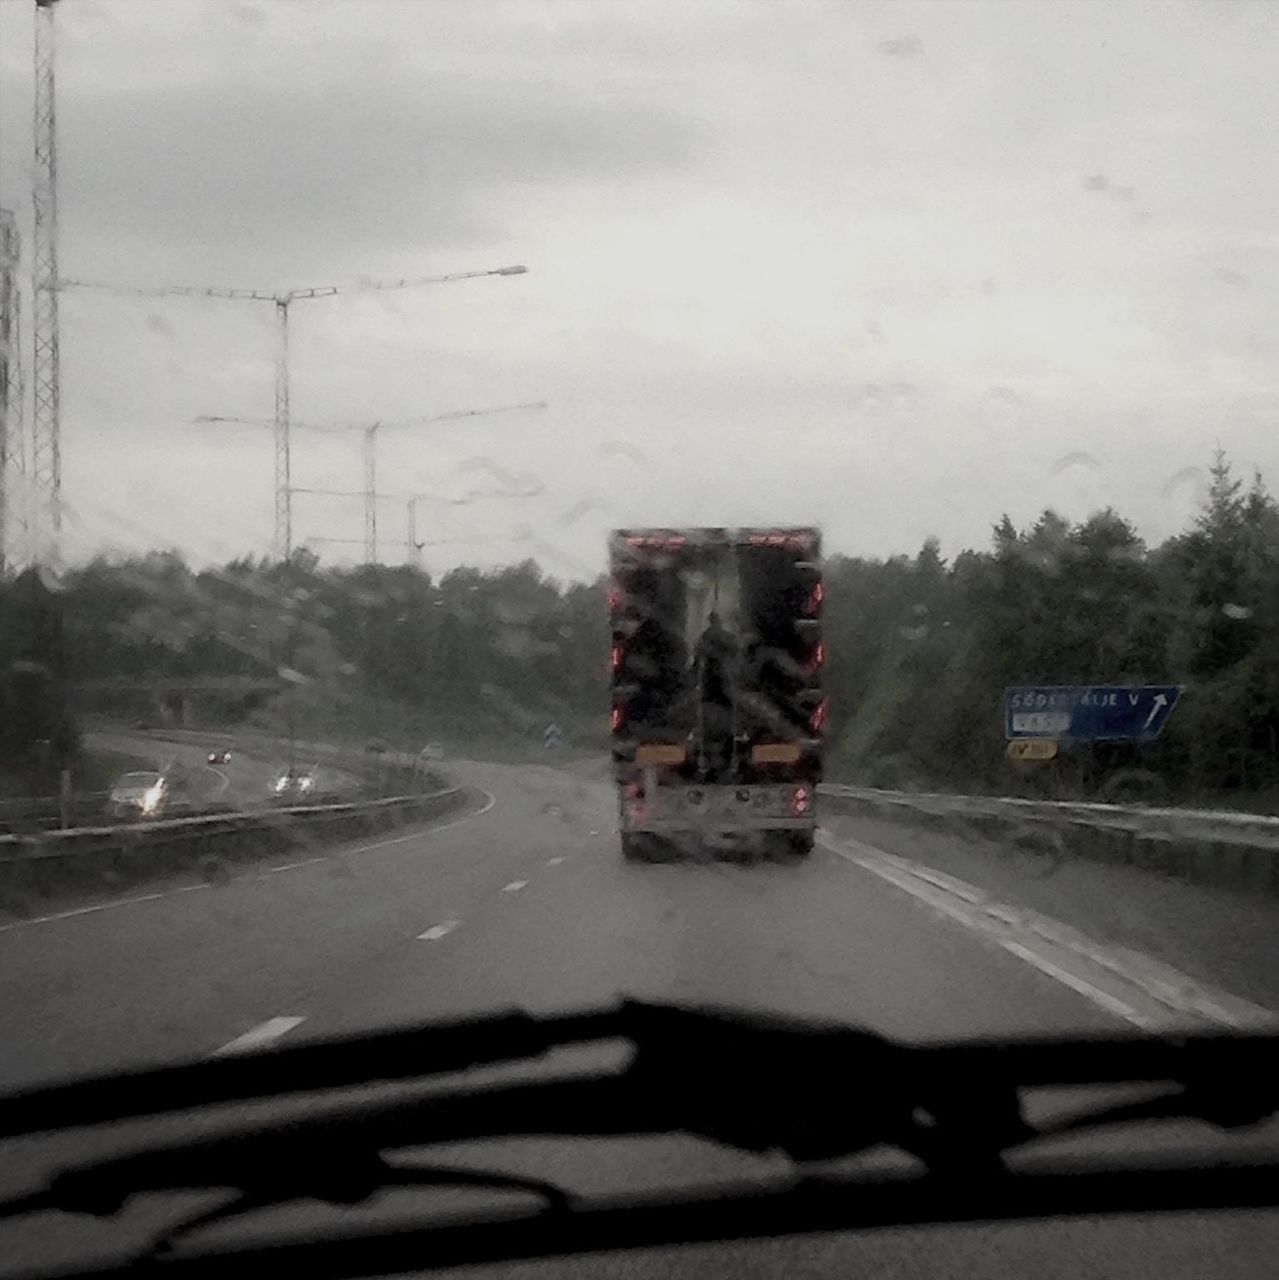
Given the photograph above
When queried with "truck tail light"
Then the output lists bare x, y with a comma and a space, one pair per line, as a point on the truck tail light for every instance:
801, 801
817, 721
658, 541
615, 658
818, 659
813, 605
616, 718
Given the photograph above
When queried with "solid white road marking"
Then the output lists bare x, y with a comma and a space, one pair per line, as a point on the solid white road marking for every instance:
514, 887
115, 903
261, 1036
438, 931
80, 911
1146, 992
1103, 998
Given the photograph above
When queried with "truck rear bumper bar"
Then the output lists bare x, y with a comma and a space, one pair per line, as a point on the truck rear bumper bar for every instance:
675, 826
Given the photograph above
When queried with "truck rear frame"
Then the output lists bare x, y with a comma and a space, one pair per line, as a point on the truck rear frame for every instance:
717, 708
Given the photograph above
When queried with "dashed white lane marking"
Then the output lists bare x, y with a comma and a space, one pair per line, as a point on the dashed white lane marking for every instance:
1138, 988
261, 1036
514, 887
490, 801
438, 931
554, 862
289, 866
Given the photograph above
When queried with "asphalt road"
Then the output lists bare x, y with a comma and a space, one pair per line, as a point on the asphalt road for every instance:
524, 900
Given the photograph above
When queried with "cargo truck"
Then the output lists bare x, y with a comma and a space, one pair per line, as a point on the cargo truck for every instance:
718, 714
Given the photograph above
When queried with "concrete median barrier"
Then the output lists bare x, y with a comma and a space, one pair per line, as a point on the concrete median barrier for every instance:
1205, 846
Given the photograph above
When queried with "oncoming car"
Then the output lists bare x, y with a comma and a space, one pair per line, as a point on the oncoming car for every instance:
220, 755
294, 784
138, 795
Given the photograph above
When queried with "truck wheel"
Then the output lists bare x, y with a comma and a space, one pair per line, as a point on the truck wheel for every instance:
647, 846
637, 846
789, 846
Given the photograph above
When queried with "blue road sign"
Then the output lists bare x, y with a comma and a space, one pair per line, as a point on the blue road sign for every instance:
1089, 712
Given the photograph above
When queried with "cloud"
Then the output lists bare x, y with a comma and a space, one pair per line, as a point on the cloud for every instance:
901, 47
261, 167
1100, 183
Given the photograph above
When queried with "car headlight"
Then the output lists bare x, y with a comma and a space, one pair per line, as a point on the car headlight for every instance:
151, 798
280, 784
305, 784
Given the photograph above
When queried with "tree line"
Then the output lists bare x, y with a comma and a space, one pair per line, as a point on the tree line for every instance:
919, 650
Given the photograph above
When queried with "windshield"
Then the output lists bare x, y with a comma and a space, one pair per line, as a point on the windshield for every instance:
773, 505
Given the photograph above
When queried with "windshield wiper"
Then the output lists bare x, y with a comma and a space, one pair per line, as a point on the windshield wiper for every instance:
754, 1084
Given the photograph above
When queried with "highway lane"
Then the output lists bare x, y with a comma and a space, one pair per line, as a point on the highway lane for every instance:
525, 901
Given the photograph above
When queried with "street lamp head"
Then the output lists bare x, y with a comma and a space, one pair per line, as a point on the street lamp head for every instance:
511, 271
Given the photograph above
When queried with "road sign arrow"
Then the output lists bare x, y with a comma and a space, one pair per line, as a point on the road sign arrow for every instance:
1161, 701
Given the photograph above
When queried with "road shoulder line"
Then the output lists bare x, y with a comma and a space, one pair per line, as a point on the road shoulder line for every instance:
1127, 984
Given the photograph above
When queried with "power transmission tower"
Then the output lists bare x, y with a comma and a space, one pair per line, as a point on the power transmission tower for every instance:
370, 432
283, 300
46, 422
13, 457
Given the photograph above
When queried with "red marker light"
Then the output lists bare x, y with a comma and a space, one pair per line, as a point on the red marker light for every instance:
615, 719
615, 657
801, 801
614, 599
659, 541
813, 605
817, 721
818, 660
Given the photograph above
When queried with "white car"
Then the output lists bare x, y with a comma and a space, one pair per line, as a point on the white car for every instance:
138, 795
293, 784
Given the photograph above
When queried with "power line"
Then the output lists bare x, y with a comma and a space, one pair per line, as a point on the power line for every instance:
370, 430
282, 300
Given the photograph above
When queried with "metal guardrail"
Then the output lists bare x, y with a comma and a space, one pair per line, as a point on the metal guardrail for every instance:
77, 840
1218, 826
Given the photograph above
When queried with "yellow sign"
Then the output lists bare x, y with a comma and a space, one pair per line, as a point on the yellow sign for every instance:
1032, 749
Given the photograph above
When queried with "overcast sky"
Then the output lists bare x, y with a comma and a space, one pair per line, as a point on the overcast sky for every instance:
890, 268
